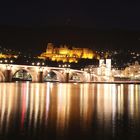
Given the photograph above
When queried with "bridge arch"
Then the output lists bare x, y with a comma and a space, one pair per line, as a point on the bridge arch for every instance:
94, 77
59, 76
49, 76
137, 76
78, 76
84, 76
32, 74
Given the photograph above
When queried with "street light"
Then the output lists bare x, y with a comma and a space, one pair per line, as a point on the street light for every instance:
38, 63
6, 61
11, 61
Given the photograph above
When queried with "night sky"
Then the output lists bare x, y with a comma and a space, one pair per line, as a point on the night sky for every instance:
99, 23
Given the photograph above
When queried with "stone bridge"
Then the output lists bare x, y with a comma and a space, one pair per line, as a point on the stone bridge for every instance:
38, 73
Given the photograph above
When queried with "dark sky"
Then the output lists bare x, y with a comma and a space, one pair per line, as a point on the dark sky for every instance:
96, 14
91, 23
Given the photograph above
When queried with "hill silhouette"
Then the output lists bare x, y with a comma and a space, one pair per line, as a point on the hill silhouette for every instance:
35, 39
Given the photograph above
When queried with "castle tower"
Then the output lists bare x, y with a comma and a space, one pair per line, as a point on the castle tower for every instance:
101, 68
50, 48
101, 62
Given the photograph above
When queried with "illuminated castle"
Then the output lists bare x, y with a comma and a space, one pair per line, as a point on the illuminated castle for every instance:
7, 56
64, 54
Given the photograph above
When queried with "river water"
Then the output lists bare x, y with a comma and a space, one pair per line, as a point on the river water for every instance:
69, 111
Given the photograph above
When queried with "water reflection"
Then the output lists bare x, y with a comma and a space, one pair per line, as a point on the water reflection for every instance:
63, 110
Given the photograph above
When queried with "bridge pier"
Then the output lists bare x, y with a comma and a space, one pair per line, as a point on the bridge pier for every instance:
67, 77
40, 76
8, 75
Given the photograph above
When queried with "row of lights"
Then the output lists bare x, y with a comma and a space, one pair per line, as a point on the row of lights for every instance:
6, 61
64, 66
38, 64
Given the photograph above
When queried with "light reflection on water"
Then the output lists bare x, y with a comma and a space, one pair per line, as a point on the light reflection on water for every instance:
62, 110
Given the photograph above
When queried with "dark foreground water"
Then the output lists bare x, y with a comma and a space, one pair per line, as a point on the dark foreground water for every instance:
69, 111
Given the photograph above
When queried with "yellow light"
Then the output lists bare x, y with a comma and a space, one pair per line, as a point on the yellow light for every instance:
65, 54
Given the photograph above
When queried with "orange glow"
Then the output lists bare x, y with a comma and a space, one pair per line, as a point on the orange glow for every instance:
7, 55
64, 54
58, 105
